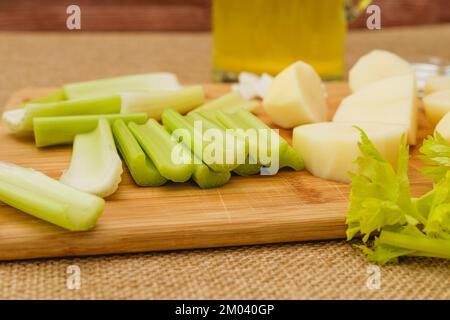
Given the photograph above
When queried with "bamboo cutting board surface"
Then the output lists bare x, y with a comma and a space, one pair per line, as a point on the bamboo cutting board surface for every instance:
290, 206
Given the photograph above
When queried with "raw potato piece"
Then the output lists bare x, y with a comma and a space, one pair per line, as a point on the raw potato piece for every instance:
437, 83
95, 166
437, 105
374, 66
443, 127
329, 148
389, 101
296, 96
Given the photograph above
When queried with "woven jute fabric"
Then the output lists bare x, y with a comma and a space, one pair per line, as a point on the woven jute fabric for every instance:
310, 270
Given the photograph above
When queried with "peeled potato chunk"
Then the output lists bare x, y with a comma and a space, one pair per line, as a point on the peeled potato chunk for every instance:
329, 148
436, 83
389, 101
296, 96
437, 105
443, 127
374, 66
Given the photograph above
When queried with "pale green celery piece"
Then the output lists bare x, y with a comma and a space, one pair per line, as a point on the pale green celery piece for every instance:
207, 117
438, 248
224, 102
249, 121
155, 103
54, 96
49, 131
169, 156
206, 178
95, 166
291, 159
45, 198
141, 167
203, 176
252, 165
248, 169
141, 82
173, 120
21, 120
250, 106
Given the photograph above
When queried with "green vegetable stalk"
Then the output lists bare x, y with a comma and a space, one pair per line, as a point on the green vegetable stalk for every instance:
226, 101
21, 120
95, 166
220, 151
169, 156
38, 195
49, 131
155, 103
133, 83
55, 96
139, 164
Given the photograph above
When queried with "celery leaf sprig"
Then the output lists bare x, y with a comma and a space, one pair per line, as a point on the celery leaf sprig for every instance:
380, 200
435, 154
380, 196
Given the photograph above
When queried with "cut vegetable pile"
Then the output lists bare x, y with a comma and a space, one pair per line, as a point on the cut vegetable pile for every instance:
108, 117
166, 133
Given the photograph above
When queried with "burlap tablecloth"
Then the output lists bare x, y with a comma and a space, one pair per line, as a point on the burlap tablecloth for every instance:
332, 269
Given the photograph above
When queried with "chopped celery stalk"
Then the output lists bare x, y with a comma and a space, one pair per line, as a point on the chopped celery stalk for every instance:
95, 167
252, 164
210, 122
155, 103
221, 161
159, 145
250, 121
21, 120
248, 169
224, 102
290, 158
207, 120
45, 198
438, 248
250, 106
54, 96
206, 178
141, 82
50, 131
142, 169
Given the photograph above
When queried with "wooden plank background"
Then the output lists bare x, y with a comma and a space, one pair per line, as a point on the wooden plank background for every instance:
178, 15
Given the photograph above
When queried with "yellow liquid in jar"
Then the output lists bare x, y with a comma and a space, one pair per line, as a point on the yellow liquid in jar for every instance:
267, 35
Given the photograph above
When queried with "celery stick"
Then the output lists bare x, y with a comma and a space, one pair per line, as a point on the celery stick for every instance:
95, 166
207, 119
248, 169
159, 145
251, 165
433, 247
225, 153
50, 131
203, 175
155, 103
206, 178
141, 82
21, 120
250, 106
228, 100
290, 158
39, 195
54, 96
250, 121
141, 167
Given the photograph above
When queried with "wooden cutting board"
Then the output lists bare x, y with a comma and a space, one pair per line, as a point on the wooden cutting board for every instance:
291, 206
